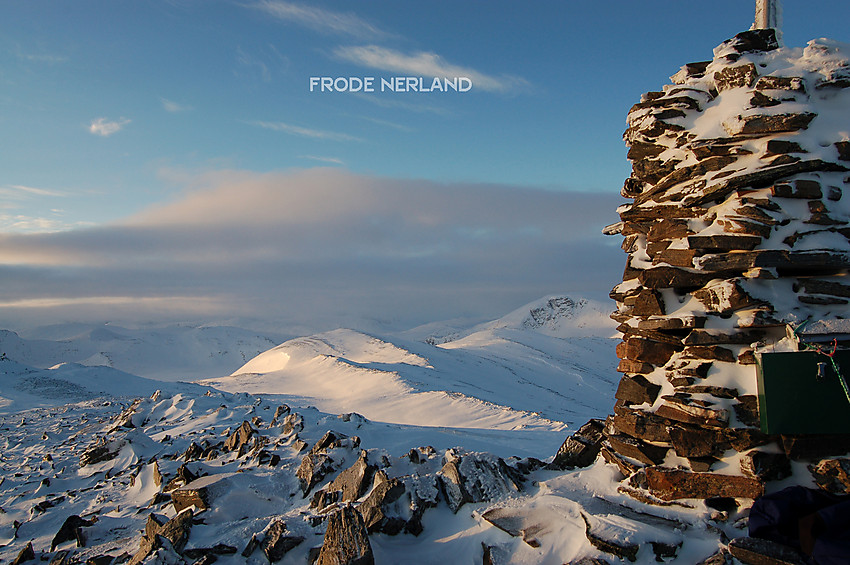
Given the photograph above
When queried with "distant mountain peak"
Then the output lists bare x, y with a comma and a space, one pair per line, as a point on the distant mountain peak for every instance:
553, 310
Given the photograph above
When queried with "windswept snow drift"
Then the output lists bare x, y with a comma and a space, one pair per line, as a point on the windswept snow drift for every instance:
523, 371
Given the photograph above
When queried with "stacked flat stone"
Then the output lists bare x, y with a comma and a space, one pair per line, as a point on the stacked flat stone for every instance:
738, 224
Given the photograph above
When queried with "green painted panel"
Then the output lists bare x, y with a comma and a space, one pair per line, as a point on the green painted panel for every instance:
793, 400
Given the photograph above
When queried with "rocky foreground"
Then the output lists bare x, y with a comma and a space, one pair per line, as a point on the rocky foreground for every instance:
239, 478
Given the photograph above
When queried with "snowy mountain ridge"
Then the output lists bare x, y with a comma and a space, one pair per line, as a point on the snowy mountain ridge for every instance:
166, 353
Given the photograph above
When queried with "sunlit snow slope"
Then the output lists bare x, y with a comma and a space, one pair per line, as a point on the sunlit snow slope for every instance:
527, 370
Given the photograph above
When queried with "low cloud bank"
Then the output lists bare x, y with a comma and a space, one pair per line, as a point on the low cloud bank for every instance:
317, 247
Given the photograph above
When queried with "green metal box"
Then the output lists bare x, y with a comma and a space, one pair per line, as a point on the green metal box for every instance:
793, 400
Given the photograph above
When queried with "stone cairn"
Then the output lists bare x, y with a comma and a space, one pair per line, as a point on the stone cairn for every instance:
736, 227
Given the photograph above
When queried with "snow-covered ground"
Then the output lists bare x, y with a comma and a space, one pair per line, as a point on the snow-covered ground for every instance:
172, 353
491, 399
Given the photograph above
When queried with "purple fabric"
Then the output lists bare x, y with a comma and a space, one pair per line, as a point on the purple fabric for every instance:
811, 521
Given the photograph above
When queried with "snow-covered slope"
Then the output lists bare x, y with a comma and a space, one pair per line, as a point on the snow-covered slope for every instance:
167, 353
515, 372
23, 387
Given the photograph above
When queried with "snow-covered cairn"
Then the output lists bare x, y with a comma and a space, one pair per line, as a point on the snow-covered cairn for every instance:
738, 223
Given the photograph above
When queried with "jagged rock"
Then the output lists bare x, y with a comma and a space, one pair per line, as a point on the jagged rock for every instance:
735, 77
581, 448
783, 146
694, 442
697, 195
183, 477
747, 410
26, 554
519, 522
629, 366
194, 451
589, 561
646, 351
804, 189
354, 481
332, 440
627, 467
725, 297
200, 493
673, 484
177, 530
102, 450
71, 530
636, 449
322, 499
313, 468
673, 277
380, 510
760, 100
668, 229
346, 540
653, 213
755, 551
765, 466
475, 477
639, 150
816, 286
725, 242
690, 413
642, 425
281, 410
495, 554
240, 437
709, 352
760, 124
293, 423
600, 541
715, 337
637, 390
832, 475
648, 303
754, 40
811, 261
62, 557
669, 323
796, 84
276, 544
675, 258
217, 549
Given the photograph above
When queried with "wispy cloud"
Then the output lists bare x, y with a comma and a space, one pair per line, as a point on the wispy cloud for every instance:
174, 107
426, 64
387, 123
419, 108
333, 160
305, 132
323, 21
105, 127
20, 223
18, 190
48, 58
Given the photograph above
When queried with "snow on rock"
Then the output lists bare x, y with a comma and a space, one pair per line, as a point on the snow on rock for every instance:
165, 485
739, 223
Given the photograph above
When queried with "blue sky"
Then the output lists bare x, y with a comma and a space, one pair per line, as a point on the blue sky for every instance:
113, 111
